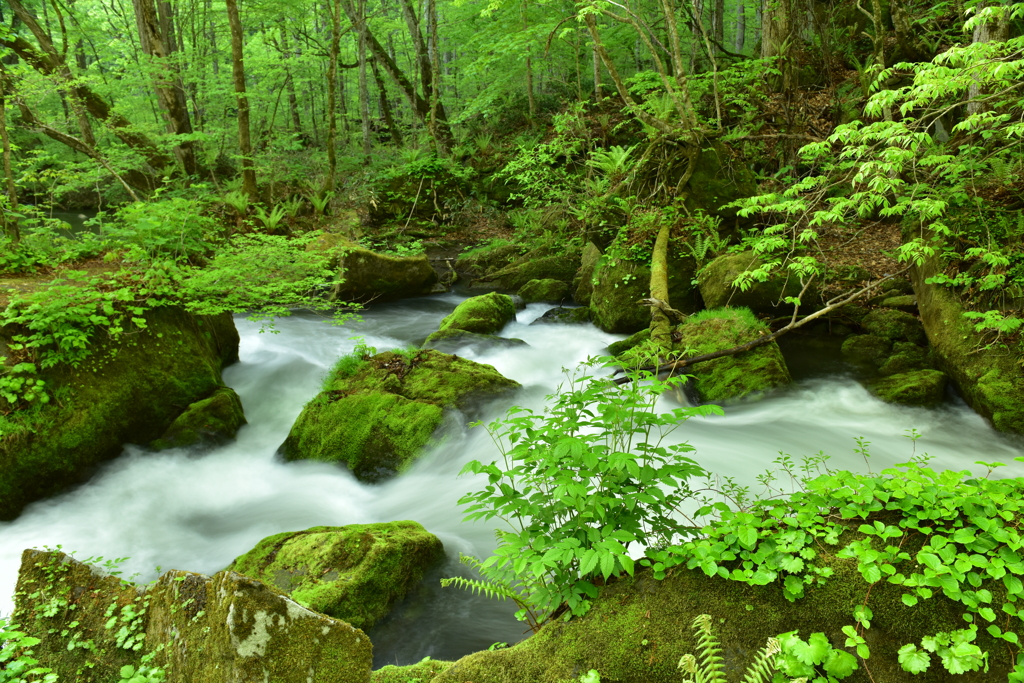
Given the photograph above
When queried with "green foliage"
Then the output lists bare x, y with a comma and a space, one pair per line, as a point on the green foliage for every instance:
578, 484
710, 668
167, 228
17, 665
813, 660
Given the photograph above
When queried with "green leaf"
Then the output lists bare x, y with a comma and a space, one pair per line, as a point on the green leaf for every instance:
913, 660
747, 536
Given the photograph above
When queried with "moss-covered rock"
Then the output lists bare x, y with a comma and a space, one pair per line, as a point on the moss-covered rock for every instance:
894, 325
423, 672
620, 347
583, 283
639, 628
866, 348
619, 285
355, 573
730, 377
535, 291
452, 341
484, 314
903, 302
209, 422
128, 391
906, 357
561, 267
369, 276
717, 181
486, 259
990, 379
763, 298
375, 414
561, 315
199, 629
917, 388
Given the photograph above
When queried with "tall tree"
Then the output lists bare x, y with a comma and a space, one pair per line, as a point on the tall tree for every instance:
238, 77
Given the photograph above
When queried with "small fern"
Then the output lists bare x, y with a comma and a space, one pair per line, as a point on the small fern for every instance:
710, 668
500, 588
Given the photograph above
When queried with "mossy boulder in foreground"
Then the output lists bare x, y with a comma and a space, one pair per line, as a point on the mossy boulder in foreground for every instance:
128, 391
369, 276
355, 573
199, 629
730, 377
376, 413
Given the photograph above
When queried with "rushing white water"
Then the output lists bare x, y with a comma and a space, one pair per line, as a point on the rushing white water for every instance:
177, 509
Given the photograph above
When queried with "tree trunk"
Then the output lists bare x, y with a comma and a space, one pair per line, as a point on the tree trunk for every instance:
157, 39
332, 94
293, 103
780, 29
531, 100
385, 106
986, 32
364, 90
661, 328
238, 76
741, 27
10, 222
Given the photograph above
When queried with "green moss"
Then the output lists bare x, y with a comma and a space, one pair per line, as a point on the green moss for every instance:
355, 573
367, 275
906, 357
487, 258
378, 420
557, 267
620, 347
211, 421
618, 286
918, 388
903, 302
128, 391
866, 348
583, 283
485, 314
544, 290
421, 672
730, 377
894, 325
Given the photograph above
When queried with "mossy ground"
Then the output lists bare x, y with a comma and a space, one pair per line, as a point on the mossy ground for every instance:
127, 391
424, 672
355, 573
377, 419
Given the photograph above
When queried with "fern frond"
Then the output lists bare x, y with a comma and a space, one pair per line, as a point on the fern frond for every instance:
762, 669
710, 652
485, 588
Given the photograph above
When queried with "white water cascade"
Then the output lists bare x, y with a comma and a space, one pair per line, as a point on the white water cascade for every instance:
180, 509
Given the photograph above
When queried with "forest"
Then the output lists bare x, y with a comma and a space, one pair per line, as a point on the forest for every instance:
695, 203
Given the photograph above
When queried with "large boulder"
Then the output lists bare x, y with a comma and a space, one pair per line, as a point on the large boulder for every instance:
583, 283
482, 260
368, 276
924, 388
131, 391
763, 298
543, 263
458, 341
730, 377
376, 413
990, 380
716, 182
619, 285
227, 628
355, 573
554, 291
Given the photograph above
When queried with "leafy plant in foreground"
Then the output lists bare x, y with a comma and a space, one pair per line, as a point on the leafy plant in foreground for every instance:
579, 483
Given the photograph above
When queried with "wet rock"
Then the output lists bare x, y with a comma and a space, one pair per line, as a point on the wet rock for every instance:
924, 388
479, 262
763, 298
376, 413
906, 357
553, 291
198, 629
618, 286
210, 422
458, 341
129, 391
560, 267
564, 316
620, 347
367, 275
583, 283
355, 573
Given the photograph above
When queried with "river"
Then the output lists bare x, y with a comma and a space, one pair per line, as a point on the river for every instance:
179, 509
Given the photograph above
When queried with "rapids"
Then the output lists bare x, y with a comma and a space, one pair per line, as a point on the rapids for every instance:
180, 509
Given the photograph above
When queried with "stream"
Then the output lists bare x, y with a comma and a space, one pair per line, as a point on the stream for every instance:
180, 509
